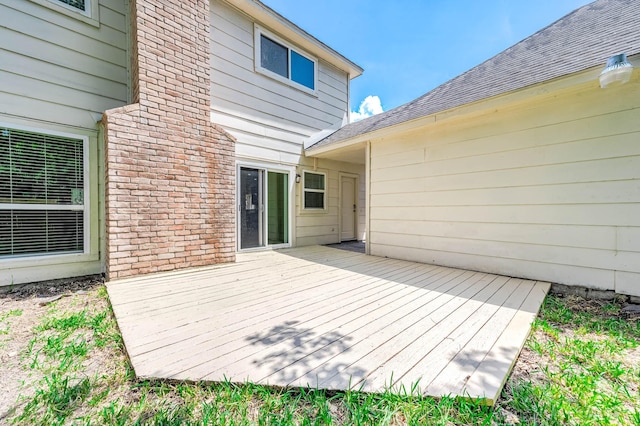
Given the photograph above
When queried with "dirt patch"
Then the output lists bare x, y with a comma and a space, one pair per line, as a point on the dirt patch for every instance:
50, 288
21, 309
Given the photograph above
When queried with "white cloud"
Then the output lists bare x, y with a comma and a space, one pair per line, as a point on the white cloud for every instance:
370, 106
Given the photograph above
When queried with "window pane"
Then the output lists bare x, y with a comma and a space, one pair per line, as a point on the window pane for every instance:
40, 232
5, 167
273, 56
314, 200
313, 181
302, 70
40, 169
250, 200
278, 208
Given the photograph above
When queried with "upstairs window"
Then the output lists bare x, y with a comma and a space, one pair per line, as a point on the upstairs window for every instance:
278, 60
42, 193
314, 191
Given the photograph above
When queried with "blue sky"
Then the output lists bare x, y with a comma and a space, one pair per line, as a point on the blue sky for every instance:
408, 47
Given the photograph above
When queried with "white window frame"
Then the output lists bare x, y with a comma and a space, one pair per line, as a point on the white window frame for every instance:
88, 15
322, 191
267, 167
258, 32
86, 206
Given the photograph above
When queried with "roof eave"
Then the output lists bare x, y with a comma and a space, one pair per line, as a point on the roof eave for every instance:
278, 23
563, 82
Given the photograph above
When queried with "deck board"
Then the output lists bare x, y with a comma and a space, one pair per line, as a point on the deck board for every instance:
326, 318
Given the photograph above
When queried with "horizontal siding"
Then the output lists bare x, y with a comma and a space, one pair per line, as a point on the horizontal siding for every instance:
587, 215
262, 113
267, 154
11, 276
606, 192
553, 272
59, 69
546, 189
541, 253
598, 237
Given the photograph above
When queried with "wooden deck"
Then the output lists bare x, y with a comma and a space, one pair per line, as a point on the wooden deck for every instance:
328, 318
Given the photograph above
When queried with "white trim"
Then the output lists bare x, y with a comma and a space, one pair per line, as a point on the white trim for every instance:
323, 191
86, 206
90, 15
367, 199
88, 193
258, 32
266, 167
26, 206
86, 11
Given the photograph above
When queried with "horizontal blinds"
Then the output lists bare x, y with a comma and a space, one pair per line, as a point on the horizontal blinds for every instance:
41, 193
40, 231
40, 169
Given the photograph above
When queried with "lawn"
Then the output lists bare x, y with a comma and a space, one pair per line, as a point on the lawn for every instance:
64, 363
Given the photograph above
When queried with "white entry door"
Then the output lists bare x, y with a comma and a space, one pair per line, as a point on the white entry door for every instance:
348, 207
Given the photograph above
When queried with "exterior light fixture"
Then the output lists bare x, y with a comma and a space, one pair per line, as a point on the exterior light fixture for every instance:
618, 70
297, 178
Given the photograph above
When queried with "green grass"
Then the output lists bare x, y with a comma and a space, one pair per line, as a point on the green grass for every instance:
589, 376
583, 377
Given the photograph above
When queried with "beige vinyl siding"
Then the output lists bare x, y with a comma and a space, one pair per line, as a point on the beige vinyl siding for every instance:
323, 227
270, 119
59, 74
58, 69
548, 188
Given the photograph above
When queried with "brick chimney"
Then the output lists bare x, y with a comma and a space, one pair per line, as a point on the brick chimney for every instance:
170, 172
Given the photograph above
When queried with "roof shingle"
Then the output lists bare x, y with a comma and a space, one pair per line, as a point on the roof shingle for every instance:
583, 39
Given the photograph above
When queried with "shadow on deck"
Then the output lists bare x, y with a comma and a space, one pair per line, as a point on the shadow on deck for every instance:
330, 319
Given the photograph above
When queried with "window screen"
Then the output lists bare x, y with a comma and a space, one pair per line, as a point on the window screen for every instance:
41, 193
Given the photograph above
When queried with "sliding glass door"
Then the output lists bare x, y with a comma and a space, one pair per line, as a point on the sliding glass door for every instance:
277, 208
251, 204
263, 210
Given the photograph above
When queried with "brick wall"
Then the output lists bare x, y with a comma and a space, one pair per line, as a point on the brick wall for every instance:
170, 173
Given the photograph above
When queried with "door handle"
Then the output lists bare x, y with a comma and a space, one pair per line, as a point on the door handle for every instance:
354, 208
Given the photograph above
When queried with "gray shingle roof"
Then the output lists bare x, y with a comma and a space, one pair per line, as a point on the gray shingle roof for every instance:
583, 39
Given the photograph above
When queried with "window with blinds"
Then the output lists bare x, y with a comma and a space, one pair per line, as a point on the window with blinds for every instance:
41, 193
